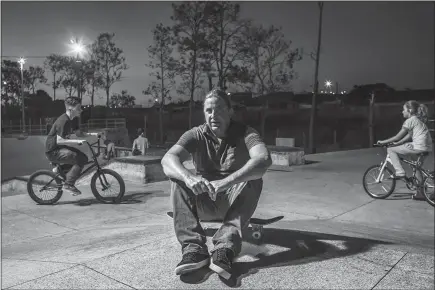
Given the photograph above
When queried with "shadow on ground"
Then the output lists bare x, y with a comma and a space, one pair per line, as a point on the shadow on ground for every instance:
131, 197
302, 248
400, 196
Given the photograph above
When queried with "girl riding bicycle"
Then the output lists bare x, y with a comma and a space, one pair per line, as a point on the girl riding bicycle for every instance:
413, 138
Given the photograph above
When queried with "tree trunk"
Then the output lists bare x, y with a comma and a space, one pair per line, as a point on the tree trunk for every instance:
311, 135
210, 81
107, 97
192, 88
162, 103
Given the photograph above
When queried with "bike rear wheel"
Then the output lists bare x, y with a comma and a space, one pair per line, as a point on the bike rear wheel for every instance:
428, 189
44, 187
103, 182
382, 189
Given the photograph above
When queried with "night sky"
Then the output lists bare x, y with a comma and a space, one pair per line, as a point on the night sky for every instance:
363, 42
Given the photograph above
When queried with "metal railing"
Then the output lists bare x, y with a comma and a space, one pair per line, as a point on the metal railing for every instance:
31, 129
94, 124
42, 129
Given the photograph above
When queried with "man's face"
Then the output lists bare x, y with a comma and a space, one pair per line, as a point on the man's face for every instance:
217, 115
76, 111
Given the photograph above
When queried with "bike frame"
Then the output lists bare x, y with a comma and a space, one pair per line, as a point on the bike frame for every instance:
415, 165
94, 163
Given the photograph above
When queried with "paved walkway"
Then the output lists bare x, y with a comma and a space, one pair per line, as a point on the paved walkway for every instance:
333, 236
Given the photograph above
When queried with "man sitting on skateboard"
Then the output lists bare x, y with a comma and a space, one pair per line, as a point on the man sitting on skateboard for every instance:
230, 159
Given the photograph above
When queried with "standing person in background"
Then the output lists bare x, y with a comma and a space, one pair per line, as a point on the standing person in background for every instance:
140, 144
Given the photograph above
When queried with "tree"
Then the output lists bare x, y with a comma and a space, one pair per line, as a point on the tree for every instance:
164, 68
69, 79
94, 78
190, 30
54, 64
11, 83
123, 100
110, 61
224, 41
268, 60
33, 76
311, 132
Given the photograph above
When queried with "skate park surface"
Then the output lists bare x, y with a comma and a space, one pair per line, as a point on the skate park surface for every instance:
333, 234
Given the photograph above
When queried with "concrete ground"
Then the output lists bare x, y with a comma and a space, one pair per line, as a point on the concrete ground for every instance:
333, 236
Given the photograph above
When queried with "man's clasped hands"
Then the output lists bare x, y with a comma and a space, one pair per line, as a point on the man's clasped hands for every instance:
199, 185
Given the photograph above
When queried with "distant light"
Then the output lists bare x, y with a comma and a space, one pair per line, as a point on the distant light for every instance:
77, 46
321, 92
5, 83
22, 61
156, 100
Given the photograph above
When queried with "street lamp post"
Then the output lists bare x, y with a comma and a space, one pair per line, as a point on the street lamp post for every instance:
22, 61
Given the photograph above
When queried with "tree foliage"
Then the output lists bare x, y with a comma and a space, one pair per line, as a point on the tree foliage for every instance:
122, 100
163, 67
53, 63
110, 61
190, 23
268, 60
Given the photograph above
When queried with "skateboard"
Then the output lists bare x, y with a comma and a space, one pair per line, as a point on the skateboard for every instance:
257, 224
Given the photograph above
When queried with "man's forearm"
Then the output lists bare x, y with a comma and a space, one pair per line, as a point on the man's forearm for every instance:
173, 168
253, 169
67, 141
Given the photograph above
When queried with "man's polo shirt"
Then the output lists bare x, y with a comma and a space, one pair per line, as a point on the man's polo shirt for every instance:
213, 159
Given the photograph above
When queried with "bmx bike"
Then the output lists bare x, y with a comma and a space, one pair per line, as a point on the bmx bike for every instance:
383, 177
52, 181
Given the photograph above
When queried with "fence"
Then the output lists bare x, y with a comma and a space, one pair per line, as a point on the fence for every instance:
41, 128
95, 124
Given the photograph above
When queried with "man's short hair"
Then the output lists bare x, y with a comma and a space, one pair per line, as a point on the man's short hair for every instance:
220, 94
72, 101
139, 131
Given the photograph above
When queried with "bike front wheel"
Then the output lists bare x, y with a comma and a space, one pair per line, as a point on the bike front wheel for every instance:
44, 187
382, 189
107, 186
428, 189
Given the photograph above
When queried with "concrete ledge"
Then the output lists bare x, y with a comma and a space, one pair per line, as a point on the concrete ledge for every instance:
287, 156
16, 184
136, 169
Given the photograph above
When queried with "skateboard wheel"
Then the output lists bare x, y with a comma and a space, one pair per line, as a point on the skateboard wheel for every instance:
256, 235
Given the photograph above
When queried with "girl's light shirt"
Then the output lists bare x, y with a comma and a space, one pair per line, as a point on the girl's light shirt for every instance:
421, 139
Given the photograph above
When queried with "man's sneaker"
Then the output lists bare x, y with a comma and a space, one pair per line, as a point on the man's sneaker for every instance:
191, 261
71, 189
221, 262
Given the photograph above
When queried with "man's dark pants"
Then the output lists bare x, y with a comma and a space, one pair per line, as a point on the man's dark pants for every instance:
69, 155
235, 207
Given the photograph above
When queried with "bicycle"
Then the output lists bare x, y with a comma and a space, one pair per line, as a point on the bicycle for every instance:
378, 172
53, 180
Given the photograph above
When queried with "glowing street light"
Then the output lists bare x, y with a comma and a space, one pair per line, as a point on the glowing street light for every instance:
77, 47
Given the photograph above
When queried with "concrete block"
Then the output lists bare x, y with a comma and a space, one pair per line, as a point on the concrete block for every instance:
288, 142
287, 156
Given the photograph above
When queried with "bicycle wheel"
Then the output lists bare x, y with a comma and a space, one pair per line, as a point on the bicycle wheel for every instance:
385, 186
102, 184
44, 187
428, 189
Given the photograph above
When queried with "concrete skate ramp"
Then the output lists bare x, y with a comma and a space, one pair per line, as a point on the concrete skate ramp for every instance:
23, 157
